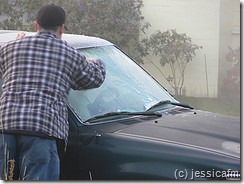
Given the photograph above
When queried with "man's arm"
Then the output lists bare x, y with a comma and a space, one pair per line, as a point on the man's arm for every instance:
91, 74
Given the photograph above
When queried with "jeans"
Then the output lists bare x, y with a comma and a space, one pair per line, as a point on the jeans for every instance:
35, 158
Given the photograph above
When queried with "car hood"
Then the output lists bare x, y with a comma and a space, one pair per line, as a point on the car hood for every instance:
196, 128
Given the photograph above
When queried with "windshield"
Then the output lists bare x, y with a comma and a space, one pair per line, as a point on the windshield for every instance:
127, 87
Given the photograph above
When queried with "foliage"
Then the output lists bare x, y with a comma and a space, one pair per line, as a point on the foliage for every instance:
12, 15
175, 50
118, 21
231, 84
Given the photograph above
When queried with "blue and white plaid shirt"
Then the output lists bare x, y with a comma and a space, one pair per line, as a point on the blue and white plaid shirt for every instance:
37, 73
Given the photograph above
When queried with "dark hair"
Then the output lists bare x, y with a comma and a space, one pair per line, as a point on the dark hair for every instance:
51, 17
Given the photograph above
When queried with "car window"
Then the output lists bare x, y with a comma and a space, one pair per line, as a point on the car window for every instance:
127, 87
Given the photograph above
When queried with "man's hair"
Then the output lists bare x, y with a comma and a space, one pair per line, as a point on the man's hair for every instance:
50, 17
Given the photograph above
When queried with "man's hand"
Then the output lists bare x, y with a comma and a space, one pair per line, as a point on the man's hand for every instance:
20, 36
91, 60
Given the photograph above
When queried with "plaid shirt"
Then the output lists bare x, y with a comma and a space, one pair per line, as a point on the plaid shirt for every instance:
37, 73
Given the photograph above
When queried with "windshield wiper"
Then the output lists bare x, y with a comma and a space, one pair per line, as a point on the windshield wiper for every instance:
123, 113
171, 103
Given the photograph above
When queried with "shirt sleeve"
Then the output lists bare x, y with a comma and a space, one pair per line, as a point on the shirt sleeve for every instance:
88, 75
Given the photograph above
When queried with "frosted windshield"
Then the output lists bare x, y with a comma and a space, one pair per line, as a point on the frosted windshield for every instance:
127, 87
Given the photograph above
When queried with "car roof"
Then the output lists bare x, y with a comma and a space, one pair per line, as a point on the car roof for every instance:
77, 41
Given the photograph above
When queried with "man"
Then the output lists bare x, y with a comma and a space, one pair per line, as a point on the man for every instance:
38, 72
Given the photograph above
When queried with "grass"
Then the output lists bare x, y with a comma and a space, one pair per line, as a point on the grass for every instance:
223, 106
9, 165
10, 174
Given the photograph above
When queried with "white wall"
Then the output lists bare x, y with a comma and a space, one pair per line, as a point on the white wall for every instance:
200, 20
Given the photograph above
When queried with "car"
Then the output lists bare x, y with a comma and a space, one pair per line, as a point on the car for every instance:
132, 128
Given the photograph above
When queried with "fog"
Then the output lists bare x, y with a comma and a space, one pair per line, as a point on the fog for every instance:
213, 75
210, 80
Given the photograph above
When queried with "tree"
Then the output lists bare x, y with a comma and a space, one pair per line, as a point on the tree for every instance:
175, 50
119, 21
231, 84
13, 17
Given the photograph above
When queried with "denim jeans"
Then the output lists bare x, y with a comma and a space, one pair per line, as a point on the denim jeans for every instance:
34, 158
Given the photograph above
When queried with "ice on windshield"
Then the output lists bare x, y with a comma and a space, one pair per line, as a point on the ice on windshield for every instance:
127, 87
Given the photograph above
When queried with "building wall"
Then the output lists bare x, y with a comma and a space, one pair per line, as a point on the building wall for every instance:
200, 20
229, 34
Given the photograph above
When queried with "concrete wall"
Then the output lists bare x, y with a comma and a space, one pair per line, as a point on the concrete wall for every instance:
201, 20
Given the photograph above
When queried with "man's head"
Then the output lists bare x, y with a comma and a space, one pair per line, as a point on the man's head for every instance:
51, 18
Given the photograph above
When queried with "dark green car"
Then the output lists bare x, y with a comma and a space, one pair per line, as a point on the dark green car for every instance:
132, 128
